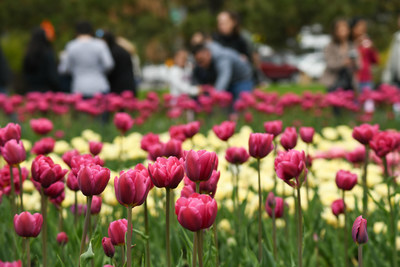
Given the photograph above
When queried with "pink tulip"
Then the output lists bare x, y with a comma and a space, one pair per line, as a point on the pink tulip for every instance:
132, 186
359, 230
117, 230
191, 129
289, 138
279, 205
338, 207
11, 131
28, 225
225, 130
178, 132
17, 263
383, 143
108, 247
172, 148
95, 208
72, 182
236, 155
196, 212
166, 173
41, 126
357, 156
346, 180
149, 140
200, 164
67, 157
93, 179
260, 145
273, 127
62, 238
5, 179
44, 146
45, 172
289, 165
208, 187
307, 134
53, 191
80, 161
95, 147
155, 151
123, 122
13, 152
365, 132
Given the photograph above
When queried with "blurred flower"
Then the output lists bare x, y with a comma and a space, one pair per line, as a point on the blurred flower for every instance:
383, 143
62, 238
72, 182
28, 225
307, 134
123, 122
260, 145
44, 146
95, 208
149, 140
273, 127
11, 131
236, 155
108, 247
279, 204
172, 148
17, 263
13, 152
95, 147
67, 157
117, 230
338, 207
41, 126
225, 130
346, 180
289, 138
365, 132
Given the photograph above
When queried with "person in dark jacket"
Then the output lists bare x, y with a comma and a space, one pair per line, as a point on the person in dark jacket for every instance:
121, 77
228, 34
39, 65
5, 73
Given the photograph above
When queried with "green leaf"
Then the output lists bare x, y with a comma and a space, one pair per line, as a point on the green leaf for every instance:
87, 256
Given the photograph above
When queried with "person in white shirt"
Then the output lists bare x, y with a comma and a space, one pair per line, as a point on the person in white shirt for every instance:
179, 76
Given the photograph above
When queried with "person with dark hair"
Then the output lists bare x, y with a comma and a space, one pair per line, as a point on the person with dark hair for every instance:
5, 72
228, 34
232, 73
88, 60
341, 59
391, 74
39, 64
121, 76
368, 54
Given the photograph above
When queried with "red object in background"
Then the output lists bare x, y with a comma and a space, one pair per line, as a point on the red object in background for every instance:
278, 70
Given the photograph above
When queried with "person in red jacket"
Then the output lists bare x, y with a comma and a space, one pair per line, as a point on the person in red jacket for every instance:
366, 50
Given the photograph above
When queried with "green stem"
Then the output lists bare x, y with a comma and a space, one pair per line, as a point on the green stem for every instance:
44, 227
307, 187
129, 238
364, 182
274, 232
259, 213
346, 263
299, 229
86, 226
198, 187
20, 187
360, 257
167, 195
28, 253
123, 255
273, 166
194, 254
200, 247
13, 207
146, 229
392, 215
216, 242
76, 208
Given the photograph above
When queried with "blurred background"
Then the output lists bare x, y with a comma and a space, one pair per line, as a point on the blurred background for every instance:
289, 36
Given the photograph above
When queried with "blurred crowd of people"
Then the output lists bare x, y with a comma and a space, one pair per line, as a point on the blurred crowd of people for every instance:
99, 62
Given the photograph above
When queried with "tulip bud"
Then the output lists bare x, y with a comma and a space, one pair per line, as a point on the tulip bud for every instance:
95, 208
93, 179
338, 207
272, 201
236, 155
173, 148
13, 152
196, 212
346, 180
289, 138
108, 247
260, 145
200, 164
41, 126
123, 121
62, 238
149, 140
132, 186
117, 230
289, 165
225, 130
307, 134
365, 132
273, 127
383, 143
191, 129
95, 147
28, 225
166, 173
45, 172
44, 146
11, 131
359, 230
